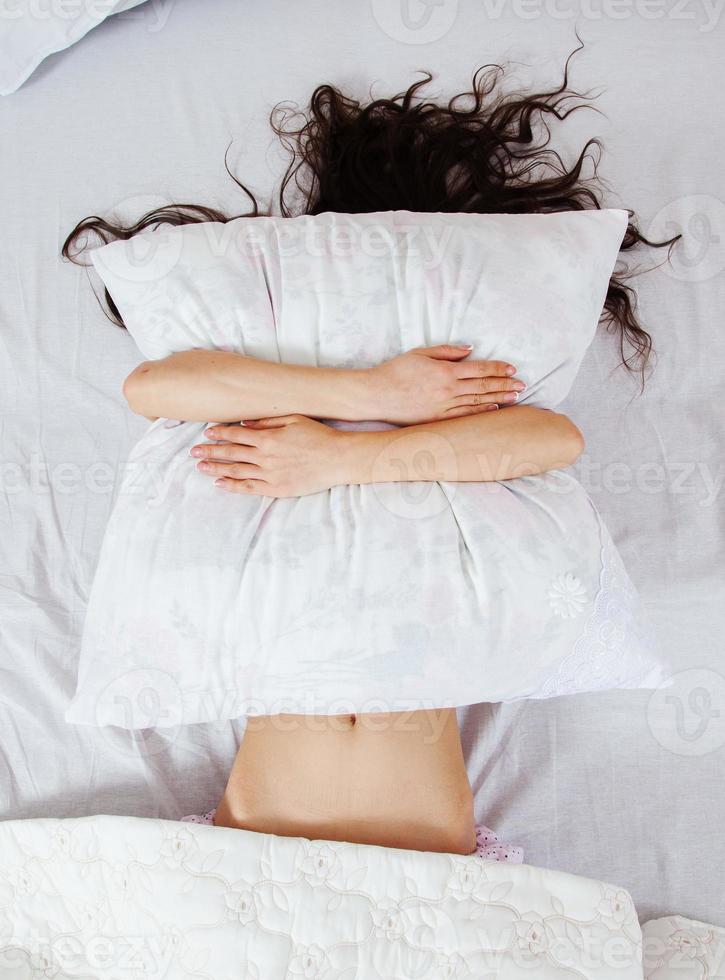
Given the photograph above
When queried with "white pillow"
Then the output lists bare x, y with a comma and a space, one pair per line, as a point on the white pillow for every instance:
208, 605
30, 30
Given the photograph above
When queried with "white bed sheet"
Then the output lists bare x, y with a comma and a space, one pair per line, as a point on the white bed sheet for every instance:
618, 786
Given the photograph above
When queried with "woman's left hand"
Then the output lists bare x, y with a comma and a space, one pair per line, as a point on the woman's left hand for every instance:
289, 456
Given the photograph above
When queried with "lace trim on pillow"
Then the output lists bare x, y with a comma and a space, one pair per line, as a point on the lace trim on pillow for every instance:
615, 648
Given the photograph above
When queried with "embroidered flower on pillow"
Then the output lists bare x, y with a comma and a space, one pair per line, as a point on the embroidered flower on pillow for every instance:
567, 596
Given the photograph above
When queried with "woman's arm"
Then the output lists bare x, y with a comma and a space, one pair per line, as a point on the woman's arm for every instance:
294, 455
420, 385
518, 442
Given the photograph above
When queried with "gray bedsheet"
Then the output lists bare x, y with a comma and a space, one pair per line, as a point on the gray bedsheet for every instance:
625, 787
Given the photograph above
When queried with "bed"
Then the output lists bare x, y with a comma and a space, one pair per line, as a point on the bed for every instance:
624, 787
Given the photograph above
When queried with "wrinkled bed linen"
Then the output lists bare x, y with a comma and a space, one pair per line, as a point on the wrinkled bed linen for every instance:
173, 899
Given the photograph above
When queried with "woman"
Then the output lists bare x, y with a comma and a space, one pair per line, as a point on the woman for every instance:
398, 779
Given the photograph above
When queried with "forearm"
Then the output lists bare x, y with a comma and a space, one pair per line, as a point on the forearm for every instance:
201, 385
420, 385
294, 455
513, 442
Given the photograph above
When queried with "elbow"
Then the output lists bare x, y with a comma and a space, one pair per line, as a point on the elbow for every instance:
136, 389
573, 444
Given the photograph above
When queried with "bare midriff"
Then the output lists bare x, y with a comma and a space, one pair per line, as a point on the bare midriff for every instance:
396, 780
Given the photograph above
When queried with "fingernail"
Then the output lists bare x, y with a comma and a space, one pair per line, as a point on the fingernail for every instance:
519, 386
466, 346
492, 408
219, 482
210, 433
202, 466
511, 396
510, 370
196, 451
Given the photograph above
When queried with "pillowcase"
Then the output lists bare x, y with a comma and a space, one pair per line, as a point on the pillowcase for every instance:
208, 606
30, 31
353, 290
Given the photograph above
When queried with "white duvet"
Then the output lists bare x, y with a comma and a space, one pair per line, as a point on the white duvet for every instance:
122, 897
678, 948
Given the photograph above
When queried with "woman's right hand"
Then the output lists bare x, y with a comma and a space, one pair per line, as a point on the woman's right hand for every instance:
428, 384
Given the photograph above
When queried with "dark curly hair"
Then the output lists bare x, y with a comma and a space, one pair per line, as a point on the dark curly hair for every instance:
485, 151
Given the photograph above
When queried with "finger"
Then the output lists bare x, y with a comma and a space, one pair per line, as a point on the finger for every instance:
486, 369
485, 386
235, 471
274, 423
258, 487
231, 451
485, 398
446, 352
232, 433
455, 413
486, 394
